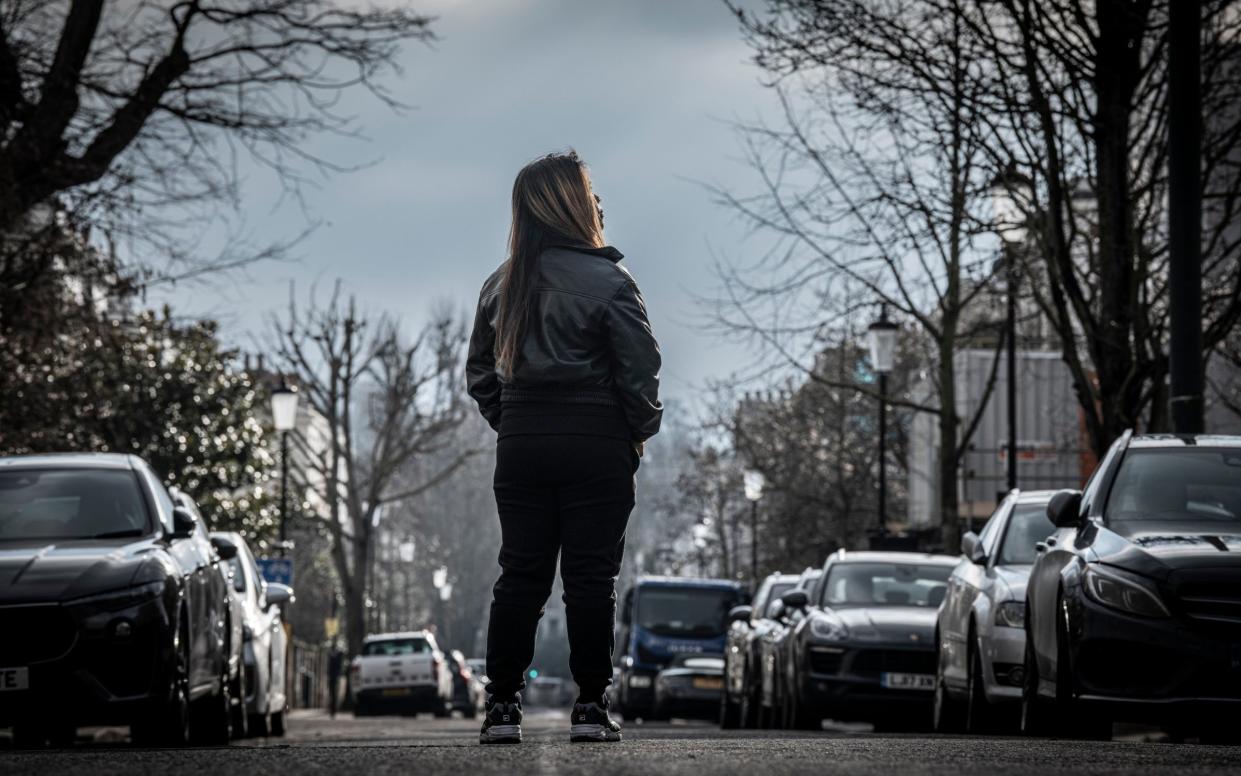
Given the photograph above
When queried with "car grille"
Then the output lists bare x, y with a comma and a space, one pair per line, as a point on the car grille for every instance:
872, 662
825, 661
1210, 597
34, 634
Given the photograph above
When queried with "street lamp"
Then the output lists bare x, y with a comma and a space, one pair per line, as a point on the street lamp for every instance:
882, 343
700, 532
284, 418
754, 481
1011, 194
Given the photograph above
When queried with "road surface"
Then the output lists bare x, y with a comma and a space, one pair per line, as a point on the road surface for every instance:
414, 747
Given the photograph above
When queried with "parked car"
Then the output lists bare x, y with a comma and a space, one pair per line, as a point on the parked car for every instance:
548, 691
662, 617
401, 673
478, 665
112, 604
748, 623
690, 688
980, 635
866, 649
773, 659
468, 695
261, 686
1133, 608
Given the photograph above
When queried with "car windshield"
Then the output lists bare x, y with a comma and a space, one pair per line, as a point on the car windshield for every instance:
71, 504
1185, 485
396, 647
885, 584
684, 611
1028, 526
774, 592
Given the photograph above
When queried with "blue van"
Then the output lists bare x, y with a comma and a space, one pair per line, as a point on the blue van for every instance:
663, 618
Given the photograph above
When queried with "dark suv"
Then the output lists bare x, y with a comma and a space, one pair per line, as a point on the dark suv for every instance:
1133, 608
113, 605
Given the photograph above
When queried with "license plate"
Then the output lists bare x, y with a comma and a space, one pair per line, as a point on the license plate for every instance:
396, 692
708, 683
907, 681
14, 679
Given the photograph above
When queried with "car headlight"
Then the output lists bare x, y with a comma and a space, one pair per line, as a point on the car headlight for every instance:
1118, 592
828, 628
115, 600
1011, 614
640, 681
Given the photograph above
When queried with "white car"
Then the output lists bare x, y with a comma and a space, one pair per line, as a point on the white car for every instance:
980, 634
264, 645
401, 673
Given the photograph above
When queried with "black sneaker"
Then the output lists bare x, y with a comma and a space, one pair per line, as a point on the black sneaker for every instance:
502, 724
590, 723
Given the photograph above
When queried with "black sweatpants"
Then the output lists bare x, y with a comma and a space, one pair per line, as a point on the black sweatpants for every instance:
568, 495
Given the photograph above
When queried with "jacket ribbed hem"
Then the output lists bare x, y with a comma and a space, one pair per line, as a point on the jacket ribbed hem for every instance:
523, 418
603, 396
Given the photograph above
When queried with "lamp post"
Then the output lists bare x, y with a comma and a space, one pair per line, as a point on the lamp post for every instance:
1011, 194
754, 482
284, 418
882, 344
443, 589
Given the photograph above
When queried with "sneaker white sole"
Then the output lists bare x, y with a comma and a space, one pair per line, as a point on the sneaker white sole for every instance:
501, 734
585, 733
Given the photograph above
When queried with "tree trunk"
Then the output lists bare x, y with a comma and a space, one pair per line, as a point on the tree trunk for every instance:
949, 508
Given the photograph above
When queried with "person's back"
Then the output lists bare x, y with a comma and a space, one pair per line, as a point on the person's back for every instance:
564, 366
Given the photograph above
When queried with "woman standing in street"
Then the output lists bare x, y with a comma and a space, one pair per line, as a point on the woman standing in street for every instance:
564, 366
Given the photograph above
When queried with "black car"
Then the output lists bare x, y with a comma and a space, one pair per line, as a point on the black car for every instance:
112, 604
740, 700
866, 649
1133, 608
690, 688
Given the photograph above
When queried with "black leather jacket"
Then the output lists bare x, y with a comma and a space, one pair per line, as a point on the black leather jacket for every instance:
589, 342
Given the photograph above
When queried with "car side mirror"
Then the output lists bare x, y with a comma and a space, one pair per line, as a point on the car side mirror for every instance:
1065, 508
224, 548
795, 600
627, 608
971, 548
740, 614
183, 523
278, 594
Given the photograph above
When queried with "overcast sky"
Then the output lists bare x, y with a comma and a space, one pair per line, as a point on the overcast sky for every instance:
643, 89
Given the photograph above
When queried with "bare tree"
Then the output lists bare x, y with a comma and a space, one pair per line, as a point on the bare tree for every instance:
874, 185
1073, 94
386, 403
135, 107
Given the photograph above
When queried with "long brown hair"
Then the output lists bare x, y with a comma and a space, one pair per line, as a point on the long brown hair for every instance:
553, 204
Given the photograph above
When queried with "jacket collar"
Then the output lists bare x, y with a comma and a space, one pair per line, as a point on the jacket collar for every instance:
607, 251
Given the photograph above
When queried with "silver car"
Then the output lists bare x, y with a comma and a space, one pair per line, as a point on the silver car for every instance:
265, 642
980, 632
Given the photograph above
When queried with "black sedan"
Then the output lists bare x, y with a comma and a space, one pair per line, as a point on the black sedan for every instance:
866, 650
1133, 608
112, 605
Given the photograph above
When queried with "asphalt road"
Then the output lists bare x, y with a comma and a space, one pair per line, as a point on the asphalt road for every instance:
413, 747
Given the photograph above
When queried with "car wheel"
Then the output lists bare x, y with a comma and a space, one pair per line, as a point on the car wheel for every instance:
240, 719
749, 711
730, 712
167, 723
977, 708
946, 713
443, 710
278, 724
30, 736
1072, 720
260, 725
211, 720
1035, 712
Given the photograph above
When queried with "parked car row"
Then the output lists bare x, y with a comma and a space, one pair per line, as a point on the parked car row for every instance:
118, 608
1067, 612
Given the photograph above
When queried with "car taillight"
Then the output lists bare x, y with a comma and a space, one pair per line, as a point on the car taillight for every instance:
356, 669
